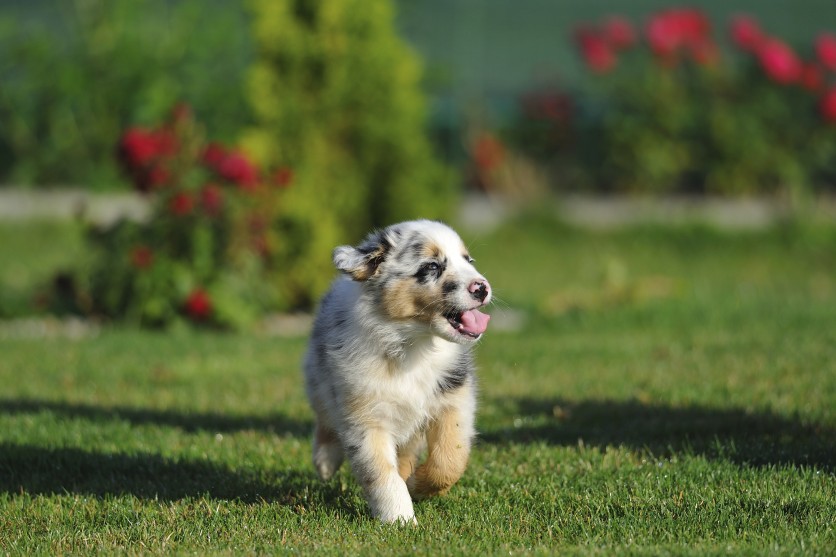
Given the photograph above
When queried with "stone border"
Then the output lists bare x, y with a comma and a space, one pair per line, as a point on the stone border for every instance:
482, 213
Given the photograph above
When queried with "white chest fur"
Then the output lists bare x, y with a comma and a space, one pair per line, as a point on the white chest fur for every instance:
400, 394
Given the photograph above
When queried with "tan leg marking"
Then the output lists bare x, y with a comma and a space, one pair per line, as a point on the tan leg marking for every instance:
408, 457
448, 452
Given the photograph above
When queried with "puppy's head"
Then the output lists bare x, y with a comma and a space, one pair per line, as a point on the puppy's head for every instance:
421, 272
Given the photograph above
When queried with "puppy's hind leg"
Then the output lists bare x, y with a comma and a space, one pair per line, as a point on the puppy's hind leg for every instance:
327, 451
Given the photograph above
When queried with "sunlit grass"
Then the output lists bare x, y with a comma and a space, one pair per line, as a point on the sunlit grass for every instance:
670, 390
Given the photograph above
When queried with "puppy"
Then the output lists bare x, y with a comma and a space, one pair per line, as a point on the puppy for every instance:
389, 370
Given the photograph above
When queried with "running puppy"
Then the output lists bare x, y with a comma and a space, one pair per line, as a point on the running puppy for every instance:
389, 370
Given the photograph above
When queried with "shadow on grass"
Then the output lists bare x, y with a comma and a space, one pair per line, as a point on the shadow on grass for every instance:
188, 421
57, 471
49, 471
753, 439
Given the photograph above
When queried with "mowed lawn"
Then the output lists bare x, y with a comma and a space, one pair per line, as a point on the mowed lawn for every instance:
652, 390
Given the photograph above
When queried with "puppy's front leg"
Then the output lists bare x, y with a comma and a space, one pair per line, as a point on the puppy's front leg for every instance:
448, 442
375, 464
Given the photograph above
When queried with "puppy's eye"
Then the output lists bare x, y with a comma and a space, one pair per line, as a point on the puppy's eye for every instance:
432, 267
468, 258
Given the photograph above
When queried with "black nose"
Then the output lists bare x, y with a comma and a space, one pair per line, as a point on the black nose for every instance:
481, 291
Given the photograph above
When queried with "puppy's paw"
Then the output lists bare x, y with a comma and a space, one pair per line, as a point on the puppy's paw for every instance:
405, 519
327, 460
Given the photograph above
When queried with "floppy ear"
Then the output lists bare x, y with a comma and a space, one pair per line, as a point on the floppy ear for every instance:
361, 262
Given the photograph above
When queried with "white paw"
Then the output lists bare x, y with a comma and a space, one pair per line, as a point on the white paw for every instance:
327, 460
393, 504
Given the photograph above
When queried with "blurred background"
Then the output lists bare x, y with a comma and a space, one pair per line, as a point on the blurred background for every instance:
233, 144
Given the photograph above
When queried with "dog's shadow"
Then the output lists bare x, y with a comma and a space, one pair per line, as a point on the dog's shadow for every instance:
38, 470
747, 438
215, 422
751, 439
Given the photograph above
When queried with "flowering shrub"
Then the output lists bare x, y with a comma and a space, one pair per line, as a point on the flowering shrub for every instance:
670, 110
208, 250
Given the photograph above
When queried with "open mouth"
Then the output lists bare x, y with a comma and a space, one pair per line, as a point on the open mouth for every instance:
471, 323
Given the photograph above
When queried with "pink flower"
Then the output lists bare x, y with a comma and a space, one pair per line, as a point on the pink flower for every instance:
142, 257
670, 32
596, 51
827, 105
198, 304
618, 32
236, 168
746, 33
826, 50
212, 198
181, 204
779, 62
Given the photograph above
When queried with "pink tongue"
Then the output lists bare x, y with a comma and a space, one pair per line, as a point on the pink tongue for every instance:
474, 322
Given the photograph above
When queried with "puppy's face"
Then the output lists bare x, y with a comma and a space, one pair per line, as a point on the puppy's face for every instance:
420, 271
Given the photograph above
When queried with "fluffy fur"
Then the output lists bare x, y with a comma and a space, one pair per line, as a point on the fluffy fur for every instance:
389, 371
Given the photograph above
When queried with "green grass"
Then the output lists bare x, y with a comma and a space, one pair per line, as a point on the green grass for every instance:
30, 256
672, 390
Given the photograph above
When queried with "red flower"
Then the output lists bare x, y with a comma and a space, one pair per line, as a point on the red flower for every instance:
827, 106
826, 50
596, 51
488, 152
138, 147
142, 257
181, 204
283, 177
236, 168
671, 31
198, 304
619, 32
812, 77
212, 198
779, 62
746, 33
213, 155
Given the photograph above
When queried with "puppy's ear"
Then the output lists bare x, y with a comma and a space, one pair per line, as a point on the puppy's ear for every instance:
362, 262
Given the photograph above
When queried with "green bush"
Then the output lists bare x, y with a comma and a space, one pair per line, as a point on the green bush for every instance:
335, 95
75, 78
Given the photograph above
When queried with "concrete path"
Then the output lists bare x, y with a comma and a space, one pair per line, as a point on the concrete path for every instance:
478, 212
